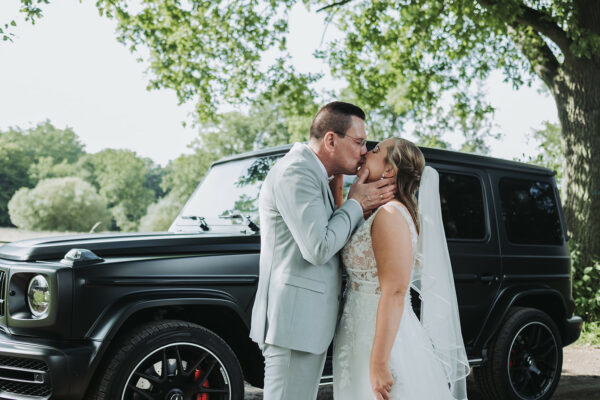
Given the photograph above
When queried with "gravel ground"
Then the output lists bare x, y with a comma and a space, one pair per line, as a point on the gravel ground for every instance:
580, 378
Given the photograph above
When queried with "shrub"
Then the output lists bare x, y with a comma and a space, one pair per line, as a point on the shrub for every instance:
590, 334
586, 285
160, 215
60, 204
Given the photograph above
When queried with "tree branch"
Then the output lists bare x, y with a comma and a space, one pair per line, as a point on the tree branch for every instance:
541, 57
540, 22
332, 5
588, 14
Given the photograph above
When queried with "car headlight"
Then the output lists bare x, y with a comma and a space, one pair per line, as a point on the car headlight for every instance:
38, 296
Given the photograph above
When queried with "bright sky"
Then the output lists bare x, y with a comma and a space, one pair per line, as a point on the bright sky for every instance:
69, 68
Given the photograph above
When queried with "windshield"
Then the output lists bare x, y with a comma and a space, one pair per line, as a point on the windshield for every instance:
227, 195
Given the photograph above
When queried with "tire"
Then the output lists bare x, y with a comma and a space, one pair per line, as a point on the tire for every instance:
524, 359
198, 365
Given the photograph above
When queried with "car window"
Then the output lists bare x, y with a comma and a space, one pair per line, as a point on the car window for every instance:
462, 205
463, 211
228, 193
529, 212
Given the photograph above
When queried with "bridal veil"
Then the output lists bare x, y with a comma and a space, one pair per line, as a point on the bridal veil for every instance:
434, 280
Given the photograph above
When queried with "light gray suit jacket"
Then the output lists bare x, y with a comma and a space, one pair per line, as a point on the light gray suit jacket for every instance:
299, 285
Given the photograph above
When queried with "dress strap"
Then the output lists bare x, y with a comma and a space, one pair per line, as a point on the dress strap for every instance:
407, 217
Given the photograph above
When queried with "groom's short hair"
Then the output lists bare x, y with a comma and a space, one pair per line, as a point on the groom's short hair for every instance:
335, 116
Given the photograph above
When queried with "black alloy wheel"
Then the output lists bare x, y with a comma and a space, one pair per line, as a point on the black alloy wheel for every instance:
179, 371
171, 360
532, 361
524, 360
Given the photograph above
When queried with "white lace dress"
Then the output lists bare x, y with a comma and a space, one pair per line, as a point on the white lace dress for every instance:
417, 373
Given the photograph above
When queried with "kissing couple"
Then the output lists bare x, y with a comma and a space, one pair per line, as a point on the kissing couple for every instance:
382, 350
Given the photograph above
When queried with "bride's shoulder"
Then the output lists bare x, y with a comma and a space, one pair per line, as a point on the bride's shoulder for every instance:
394, 207
389, 216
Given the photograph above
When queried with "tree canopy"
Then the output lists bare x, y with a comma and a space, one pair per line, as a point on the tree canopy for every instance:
420, 60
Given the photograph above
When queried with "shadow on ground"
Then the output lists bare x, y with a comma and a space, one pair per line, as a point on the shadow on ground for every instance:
570, 388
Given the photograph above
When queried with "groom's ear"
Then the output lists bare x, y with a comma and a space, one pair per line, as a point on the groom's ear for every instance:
329, 141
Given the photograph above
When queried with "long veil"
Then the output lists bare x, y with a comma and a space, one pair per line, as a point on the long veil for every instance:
434, 280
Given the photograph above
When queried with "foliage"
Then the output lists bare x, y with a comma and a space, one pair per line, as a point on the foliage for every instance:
586, 285
550, 155
590, 334
63, 204
423, 60
161, 214
47, 151
13, 174
280, 116
183, 174
120, 178
127, 183
46, 141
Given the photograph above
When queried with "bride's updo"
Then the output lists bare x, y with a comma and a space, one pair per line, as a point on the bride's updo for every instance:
409, 163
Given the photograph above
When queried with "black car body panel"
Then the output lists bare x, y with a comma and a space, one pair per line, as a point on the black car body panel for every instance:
210, 278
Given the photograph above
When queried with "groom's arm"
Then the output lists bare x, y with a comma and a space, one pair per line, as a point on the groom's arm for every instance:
300, 202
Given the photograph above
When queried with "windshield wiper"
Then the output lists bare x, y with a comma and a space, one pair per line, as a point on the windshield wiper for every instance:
249, 223
201, 221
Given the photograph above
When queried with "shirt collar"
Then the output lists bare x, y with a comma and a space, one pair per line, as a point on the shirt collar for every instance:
329, 178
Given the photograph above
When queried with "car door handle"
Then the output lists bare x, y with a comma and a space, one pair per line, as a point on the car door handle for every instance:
488, 278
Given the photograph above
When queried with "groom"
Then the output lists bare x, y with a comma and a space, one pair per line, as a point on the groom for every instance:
297, 301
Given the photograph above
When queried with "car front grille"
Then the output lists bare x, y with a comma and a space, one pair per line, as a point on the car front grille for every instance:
2, 291
25, 376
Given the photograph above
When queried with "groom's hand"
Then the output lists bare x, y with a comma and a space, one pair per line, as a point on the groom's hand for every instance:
374, 194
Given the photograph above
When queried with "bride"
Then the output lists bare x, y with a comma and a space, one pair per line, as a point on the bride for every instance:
381, 349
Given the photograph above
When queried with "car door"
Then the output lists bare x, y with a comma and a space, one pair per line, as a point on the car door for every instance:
471, 231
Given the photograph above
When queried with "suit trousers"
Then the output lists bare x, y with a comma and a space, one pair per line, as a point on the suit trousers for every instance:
291, 374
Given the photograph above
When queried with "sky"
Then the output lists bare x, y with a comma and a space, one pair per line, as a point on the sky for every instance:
69, 69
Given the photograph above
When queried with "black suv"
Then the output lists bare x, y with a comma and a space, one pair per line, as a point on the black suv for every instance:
166, 315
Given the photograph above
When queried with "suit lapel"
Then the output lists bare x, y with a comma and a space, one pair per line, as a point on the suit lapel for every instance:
330, 195
314, 165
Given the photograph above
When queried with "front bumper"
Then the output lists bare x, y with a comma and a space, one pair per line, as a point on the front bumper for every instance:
40, 369
572, 330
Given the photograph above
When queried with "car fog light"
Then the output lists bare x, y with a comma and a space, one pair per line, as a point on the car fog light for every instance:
38, 296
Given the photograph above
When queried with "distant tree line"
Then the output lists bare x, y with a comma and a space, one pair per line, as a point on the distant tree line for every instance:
49, 181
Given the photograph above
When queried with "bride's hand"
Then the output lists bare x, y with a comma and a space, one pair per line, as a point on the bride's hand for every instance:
381, 381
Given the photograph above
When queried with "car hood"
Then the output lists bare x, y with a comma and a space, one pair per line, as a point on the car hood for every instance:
129, 244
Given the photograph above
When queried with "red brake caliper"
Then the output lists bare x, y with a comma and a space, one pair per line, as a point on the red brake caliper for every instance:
511, 363
197, 374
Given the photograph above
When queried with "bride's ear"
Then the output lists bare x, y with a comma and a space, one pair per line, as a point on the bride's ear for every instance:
389, 172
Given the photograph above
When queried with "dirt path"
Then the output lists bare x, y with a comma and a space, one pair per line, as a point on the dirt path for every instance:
580, 378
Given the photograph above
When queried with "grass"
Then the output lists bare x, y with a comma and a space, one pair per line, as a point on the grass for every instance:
590, 334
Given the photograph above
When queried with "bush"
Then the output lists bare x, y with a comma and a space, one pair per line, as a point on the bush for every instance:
160, 215
586, 285
590, 334
60, 204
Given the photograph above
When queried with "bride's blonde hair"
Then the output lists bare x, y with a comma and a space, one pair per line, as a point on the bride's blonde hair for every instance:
409, 162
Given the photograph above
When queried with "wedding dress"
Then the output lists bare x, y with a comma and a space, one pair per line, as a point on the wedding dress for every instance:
423, 366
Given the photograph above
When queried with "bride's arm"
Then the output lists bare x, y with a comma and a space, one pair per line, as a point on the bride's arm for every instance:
393, 252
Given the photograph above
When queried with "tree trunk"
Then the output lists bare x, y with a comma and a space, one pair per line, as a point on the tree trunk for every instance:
576, 90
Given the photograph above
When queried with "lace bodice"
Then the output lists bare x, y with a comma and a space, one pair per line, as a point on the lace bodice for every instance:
359, 259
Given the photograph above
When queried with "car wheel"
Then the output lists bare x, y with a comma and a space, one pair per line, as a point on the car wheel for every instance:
524, 360
171, 360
